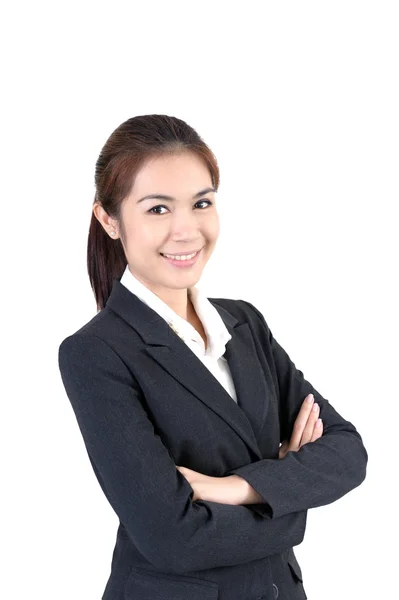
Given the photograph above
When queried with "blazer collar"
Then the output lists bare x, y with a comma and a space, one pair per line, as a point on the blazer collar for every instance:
246, 416
212, 322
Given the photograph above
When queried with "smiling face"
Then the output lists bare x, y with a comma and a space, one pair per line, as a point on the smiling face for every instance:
187, 223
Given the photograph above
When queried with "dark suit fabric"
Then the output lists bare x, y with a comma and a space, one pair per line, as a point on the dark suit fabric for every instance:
145, 403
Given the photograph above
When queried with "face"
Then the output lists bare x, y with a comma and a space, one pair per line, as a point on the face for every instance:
186, 224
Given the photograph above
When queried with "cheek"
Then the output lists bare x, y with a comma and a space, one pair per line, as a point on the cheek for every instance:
143, 234
213, 228
141, 242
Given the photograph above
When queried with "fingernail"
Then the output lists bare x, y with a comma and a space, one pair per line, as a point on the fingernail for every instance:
318, 423
310, 398
315, 406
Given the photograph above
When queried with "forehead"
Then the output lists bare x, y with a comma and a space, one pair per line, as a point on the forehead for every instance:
175, 173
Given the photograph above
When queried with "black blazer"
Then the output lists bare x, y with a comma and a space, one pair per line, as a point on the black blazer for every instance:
145, 403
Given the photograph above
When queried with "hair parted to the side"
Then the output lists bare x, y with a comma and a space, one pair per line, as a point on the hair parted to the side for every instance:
134, 142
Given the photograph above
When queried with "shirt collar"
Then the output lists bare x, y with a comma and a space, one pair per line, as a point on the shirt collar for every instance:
212, 322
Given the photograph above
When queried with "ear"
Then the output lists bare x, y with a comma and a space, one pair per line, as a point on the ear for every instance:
108, 223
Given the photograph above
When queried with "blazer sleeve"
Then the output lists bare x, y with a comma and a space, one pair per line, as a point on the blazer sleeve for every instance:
321, 471
138, 475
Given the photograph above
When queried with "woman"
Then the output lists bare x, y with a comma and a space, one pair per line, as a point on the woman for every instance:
206, 439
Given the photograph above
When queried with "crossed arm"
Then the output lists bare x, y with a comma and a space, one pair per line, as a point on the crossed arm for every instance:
235, 490
124, 449
309, 474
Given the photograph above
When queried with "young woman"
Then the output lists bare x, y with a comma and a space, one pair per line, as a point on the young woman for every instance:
208, 442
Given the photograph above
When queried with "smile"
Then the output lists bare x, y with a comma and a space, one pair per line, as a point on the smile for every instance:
181, 256
181, 260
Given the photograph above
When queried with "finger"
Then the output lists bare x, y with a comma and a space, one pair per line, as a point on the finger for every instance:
318, 430
300, 422
309, 427
283, 449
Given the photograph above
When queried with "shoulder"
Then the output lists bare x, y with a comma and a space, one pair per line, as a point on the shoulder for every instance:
94, 324
97, 334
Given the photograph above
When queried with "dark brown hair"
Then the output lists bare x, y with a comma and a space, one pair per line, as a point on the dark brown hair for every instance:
126, 150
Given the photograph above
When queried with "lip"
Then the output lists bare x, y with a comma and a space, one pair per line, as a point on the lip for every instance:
181, 253
183, 264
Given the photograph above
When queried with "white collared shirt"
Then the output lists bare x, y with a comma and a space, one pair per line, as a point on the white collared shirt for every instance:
215, 329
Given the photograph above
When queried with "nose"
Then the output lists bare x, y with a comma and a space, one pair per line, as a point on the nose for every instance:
184, 225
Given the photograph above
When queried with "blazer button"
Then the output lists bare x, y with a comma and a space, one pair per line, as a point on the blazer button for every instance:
275, 588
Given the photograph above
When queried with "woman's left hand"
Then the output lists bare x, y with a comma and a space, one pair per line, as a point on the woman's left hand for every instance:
215, 489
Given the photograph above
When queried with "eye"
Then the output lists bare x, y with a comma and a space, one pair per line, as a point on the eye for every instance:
209, 202
153, 209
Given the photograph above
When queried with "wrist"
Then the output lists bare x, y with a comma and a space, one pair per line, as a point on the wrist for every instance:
244, 492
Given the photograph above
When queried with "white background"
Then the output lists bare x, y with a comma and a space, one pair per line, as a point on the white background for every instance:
299, 102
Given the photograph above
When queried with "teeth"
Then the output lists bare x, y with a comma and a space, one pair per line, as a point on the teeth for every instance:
180, 256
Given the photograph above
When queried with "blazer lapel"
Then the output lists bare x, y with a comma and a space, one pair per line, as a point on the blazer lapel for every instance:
171, 352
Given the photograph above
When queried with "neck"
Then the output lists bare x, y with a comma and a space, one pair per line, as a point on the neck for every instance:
177, 300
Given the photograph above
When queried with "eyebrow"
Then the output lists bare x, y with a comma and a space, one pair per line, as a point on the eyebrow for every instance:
163, 197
